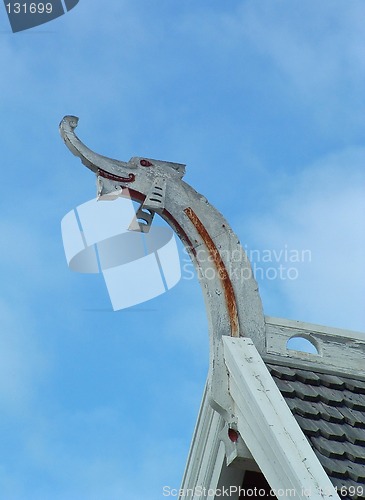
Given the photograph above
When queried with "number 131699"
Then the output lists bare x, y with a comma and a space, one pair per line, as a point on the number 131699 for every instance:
29, 8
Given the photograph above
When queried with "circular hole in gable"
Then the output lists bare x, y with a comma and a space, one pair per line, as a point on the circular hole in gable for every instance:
303, 344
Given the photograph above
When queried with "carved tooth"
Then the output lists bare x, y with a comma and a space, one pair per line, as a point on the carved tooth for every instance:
142, 215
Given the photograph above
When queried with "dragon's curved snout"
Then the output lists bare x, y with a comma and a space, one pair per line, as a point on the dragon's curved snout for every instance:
68, 124
89, 158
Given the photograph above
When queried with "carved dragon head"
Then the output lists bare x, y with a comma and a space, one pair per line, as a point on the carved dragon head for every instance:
143, 179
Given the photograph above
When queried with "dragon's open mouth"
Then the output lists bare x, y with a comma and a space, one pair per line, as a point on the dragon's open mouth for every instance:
117, 178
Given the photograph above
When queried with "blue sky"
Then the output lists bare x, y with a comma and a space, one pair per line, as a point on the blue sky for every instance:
264, 102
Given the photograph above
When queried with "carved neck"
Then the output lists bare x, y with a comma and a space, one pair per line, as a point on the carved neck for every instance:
230, 290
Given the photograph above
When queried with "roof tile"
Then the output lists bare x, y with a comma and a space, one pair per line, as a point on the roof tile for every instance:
332, 397
330, 409
330, 449
331, 381
310, 427
334, 468
304, 408
355, 453
353, 417
357, 386
354, 434
307, 376
354, 401
282, 372
330, 413
332, 431
356, 472
306, 391
286, 389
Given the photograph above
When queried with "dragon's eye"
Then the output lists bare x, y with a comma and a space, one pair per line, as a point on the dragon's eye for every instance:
145, 163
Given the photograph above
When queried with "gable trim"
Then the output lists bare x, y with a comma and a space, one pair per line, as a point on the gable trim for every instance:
268, 427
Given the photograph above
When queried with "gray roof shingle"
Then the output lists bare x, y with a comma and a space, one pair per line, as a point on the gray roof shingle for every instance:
330, 409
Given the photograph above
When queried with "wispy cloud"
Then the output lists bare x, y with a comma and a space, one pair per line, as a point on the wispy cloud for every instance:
321, 210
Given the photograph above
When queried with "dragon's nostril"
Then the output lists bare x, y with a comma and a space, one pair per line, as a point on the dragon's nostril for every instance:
145, 163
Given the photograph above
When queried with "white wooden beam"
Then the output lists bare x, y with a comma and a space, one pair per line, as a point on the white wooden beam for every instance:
207, 474
269, 429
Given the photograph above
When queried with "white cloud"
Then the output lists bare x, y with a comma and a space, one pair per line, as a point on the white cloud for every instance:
316, 45
305, 55
313, 44
321, 209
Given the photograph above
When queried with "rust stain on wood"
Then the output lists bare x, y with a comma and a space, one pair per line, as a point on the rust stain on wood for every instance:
180, 231
221, 269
